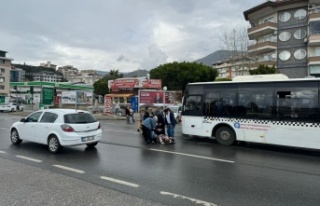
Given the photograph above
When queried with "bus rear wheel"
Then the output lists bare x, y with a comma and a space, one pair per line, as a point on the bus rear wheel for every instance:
225, 136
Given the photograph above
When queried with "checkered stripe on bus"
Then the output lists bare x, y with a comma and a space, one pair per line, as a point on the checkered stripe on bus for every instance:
273, 122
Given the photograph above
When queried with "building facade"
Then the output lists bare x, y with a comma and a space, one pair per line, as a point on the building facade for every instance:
287, 33
17, 75
49, 65
5, 67
47, 77
68, 71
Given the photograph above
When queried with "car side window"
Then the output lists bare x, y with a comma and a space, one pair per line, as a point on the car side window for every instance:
34, 117
49, 117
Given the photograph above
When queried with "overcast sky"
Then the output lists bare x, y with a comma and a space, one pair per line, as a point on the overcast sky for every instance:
116, 34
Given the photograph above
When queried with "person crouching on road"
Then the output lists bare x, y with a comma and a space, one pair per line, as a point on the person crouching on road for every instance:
170, 122
148, 127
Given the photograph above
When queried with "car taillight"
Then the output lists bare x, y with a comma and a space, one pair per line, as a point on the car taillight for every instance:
67, 128
99, 126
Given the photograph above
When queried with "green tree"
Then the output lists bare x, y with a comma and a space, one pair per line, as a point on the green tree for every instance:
263, 69
177, 75
100, 87
114, 74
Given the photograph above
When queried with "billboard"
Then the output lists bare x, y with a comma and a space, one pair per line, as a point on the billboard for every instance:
151, 97
76, 97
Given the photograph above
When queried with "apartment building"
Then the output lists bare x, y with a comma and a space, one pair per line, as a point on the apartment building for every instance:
90, 76
68, 71
48, 64
5, 67
232, 67
286, 33
47, 77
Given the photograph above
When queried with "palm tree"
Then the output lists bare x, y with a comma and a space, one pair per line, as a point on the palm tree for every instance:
115, 74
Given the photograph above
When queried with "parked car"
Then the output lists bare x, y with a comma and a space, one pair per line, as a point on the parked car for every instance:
57, 128
9, 107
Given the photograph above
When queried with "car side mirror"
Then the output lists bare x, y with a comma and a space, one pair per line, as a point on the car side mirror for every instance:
23, 120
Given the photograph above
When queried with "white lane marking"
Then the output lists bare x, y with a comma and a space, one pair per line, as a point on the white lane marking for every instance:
189, 198
28, 158
4, 128
2, 152
69, 169
119, 181
196, 156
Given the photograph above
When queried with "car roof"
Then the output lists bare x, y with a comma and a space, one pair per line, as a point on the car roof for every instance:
64, 111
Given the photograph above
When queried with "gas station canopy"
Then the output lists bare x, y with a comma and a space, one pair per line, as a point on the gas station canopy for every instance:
62, 85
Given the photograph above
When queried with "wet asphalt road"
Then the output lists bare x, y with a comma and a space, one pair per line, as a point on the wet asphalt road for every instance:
191, 172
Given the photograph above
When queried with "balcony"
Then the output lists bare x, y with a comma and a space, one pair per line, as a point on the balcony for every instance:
314, 39
313, 60
268, 63
314, 17
262, 48
261, 30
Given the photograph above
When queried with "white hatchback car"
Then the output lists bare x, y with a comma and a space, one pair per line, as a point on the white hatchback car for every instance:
57, 128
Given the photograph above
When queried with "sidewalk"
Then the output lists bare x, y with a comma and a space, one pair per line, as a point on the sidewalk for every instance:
99, 116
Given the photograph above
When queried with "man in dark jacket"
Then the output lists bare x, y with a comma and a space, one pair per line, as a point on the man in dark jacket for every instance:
170, 122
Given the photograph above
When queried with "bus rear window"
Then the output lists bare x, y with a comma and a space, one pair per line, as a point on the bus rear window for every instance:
79, 118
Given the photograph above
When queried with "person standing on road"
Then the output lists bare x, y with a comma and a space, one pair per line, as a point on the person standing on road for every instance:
170, 122
128, 114
131, 114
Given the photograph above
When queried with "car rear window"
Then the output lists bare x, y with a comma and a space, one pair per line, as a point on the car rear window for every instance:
79, 118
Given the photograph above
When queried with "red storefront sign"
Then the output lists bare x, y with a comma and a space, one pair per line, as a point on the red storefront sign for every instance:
107, 104
124, 83
152, 84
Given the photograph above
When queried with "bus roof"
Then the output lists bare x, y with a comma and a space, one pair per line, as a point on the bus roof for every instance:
260, 79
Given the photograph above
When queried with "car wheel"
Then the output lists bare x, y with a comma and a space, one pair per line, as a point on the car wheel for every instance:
15, 138
225, 136
21, 109
90, 145
12, 110
54, 144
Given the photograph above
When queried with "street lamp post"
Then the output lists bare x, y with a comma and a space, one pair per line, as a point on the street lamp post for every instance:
41, 90
164, 96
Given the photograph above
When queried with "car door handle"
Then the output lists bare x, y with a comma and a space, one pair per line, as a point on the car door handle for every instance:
193, 125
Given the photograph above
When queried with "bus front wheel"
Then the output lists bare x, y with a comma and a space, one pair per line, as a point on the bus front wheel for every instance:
225, 136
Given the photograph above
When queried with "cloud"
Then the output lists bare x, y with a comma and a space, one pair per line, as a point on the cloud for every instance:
115, 34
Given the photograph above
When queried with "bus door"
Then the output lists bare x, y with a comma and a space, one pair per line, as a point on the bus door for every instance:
192, 112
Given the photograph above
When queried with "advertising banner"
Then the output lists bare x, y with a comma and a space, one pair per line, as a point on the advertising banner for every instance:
119, 84
156, 97
151, 97
84, 97
68, 97
107, 104
76, 97
152, 84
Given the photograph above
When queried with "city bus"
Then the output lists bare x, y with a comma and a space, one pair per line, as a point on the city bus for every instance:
267, 109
